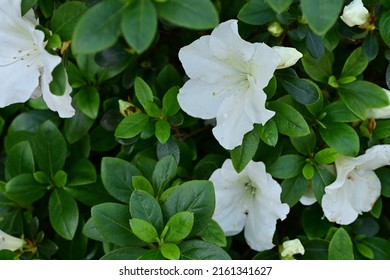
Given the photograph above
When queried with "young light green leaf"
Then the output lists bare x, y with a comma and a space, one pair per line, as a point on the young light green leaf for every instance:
132, 125
144, 230
141, 183
163, 131
170, 251
178, 227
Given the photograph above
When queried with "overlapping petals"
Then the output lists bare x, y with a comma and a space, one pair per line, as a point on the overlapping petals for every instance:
249, 200
355, 13
25, 66
227, 76
356, 187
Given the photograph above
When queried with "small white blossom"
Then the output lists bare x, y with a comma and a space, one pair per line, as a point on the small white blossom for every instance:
380, 113
356, 187
8, 242
288, 56
355, 13
290, 248
227, 77
25, 66
249, 199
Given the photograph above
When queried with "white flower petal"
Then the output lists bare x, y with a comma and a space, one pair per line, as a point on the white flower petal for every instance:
263, 64
375, 157
288, 56
8, 242
342, 204
355, 13
380, 113
308, 198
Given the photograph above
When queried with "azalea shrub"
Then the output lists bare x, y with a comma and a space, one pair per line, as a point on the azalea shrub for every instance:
195, 129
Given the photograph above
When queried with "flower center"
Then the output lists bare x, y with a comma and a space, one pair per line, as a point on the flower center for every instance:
26, 54
250, 188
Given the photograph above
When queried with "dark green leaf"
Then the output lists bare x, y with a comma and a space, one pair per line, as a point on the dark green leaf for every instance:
370, 46
293, 189
256, 12
305, 144
164, 172
316, 230
314, 44
340, 247
384, 27
19, 160
341, 137
63, 213
80, 172
77, 127
304, 91
170, 104
319, 69
268, 133
127, 253
279, 6
355, 64
287, 166
201, 250
24, 189
241, 155
88, 101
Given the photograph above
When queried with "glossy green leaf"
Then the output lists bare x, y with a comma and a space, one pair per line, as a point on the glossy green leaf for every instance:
164, 172
143, 92
319, 69
66, 17
139, 24
63, 213
244, 153
303, 90
370, 47
256, 12
321, 14
117, 177
88, 101
341, 137
384, 27
201, 250
143, 230
24, 189
77, 127
19, 160
178, 226
163, 131
214, 234
326, 156
192, 14
288, 120
305, 144
314, 44
293, 189
170, 104
143, 184
126, 253
355, 64
98, 28
268, 133
80, 172
340, 247
144, 206
279, 6
170, 251
132, 125
287, 166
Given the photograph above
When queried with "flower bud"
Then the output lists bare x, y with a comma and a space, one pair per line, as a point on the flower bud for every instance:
275, 29
290, 248
355, 13
8, 242
126, 108
288, 56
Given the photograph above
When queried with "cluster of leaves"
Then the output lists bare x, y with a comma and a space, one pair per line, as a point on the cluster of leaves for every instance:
130, 181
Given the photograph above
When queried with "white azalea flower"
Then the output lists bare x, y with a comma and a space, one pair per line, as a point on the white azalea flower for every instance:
356, 187
249, 199
288, 56
8, 242
290, 248
25, 66
355, 14
227, 77
381, 113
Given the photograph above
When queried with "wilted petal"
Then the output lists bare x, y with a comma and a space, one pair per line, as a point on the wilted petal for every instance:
288, 56
342, 203
292, 247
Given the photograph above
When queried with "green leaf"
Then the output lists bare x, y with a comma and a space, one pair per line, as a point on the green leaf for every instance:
192, 14
340, 247
88, 101
127, 253
341, 137
90, 194
144, 230
319, 69
170, 251
164, 172
80, 171
326, 156
293, 189
314, 44
384, 176
308, 171
268, 133
370, 46
78, 126
322, 178
19, 160
316, 230
60, 179
241, 155
288, 120
112, 222
382, 129
143, 92
279, 6
143, 184
139, 24
26, 6
364, 250
117, 177
384, 27
49, 148
379, 246
339, 112
24, 189
63, 213
170, 104
59, 83
66, 17
305, 144
355, 64
144, 206
197, 197
303, 90
287, 166
168, 148
163, 131
256, 12
214, 234
359, 96
132, 125
98, 28
201, 250
178, 227
321, 14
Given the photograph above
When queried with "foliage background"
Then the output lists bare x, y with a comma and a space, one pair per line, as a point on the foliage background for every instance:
70, 186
